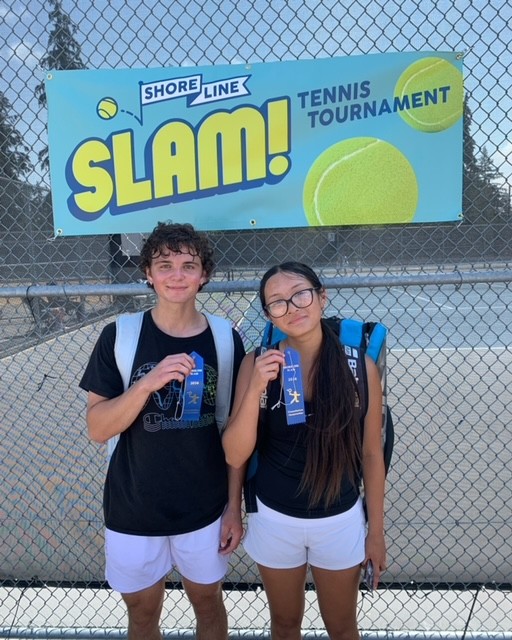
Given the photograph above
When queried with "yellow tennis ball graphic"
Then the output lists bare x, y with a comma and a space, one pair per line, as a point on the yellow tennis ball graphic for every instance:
360, 181
436, 87
107, 108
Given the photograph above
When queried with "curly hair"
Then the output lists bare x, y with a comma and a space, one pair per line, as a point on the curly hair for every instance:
178, 238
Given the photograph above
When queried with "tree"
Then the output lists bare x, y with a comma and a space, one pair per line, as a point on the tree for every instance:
14, 153
469, 154
63, 52
470, 177
15, 164
484, 199
495, 204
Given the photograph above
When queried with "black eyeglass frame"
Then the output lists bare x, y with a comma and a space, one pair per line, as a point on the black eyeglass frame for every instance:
290, 300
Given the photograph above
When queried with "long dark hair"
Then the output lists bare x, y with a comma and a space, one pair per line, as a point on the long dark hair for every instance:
333, 437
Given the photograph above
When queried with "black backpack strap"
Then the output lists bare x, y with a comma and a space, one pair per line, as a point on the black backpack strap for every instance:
250, 484
357, 364
389, 439
387, 417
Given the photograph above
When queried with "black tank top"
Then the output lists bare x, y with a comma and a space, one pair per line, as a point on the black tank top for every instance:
282, 457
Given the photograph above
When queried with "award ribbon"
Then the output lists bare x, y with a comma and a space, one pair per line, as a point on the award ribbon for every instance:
193, 391
292, 388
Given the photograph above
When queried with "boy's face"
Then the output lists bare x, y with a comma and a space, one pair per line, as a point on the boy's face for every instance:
176, 277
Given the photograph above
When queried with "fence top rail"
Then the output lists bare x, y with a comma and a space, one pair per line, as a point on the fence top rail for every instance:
338, 282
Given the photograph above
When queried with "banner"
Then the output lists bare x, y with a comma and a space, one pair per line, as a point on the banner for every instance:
373, 139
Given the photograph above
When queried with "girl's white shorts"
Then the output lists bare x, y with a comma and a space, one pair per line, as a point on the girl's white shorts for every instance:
134, 563
279, 541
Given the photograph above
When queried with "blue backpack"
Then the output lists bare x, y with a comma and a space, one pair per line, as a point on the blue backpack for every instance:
358, 339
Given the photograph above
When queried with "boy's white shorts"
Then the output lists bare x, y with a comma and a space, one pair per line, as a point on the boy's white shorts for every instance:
134, 563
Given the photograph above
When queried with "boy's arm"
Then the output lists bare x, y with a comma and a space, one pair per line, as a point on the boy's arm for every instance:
108, 417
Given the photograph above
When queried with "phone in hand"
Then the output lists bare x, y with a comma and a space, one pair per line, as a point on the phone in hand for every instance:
369, 575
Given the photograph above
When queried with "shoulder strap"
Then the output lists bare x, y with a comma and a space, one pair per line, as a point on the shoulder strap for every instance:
371, 338
351, 332
271, 335
127, 337
128, 327
225, 348
351, 336
357, 364
368, 338
376, 334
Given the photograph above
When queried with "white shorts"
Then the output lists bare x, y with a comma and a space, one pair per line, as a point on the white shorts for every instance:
134, 563
278, 541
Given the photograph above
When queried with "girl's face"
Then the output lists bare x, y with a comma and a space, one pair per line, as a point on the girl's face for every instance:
293, 304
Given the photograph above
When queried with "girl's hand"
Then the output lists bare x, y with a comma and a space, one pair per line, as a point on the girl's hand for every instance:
376, 553
267, 367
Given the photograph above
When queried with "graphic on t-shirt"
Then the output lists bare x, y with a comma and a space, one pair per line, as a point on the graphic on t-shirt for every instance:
210, 386
167, 400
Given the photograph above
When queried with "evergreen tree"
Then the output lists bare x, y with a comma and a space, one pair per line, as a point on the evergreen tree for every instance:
14, 153
63, 52
15, 164
469, 154
484, 199
470, 177
495, 204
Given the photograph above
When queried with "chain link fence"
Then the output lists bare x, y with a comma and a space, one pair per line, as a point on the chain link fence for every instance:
444, 291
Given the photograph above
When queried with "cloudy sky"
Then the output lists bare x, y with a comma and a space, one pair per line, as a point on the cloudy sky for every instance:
158, 33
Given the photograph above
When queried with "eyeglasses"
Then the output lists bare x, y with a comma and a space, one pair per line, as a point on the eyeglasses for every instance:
300, 299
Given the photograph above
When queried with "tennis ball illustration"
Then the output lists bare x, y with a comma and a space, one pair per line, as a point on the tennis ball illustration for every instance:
360, 181
107, 108
442, 81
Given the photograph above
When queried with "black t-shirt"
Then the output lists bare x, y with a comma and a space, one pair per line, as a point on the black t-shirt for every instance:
281, 461
166, 476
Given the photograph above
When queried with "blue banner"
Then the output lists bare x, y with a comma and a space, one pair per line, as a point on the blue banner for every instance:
373, 139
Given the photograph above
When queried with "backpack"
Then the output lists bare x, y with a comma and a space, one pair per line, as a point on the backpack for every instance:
358, 339
128, 328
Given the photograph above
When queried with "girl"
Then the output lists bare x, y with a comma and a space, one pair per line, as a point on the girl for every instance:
309, 511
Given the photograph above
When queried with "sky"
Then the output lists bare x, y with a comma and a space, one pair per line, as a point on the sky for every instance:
159, 33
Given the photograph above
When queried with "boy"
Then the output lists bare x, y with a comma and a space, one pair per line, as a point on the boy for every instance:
169, 499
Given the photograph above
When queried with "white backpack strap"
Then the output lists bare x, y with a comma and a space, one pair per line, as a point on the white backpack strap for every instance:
128, 328
225, 348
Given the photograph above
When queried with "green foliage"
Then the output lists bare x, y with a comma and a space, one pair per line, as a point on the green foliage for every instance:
485, 200
63, 53
14, 153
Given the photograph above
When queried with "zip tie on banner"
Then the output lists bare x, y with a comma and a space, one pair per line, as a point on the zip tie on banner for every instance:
463, 53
